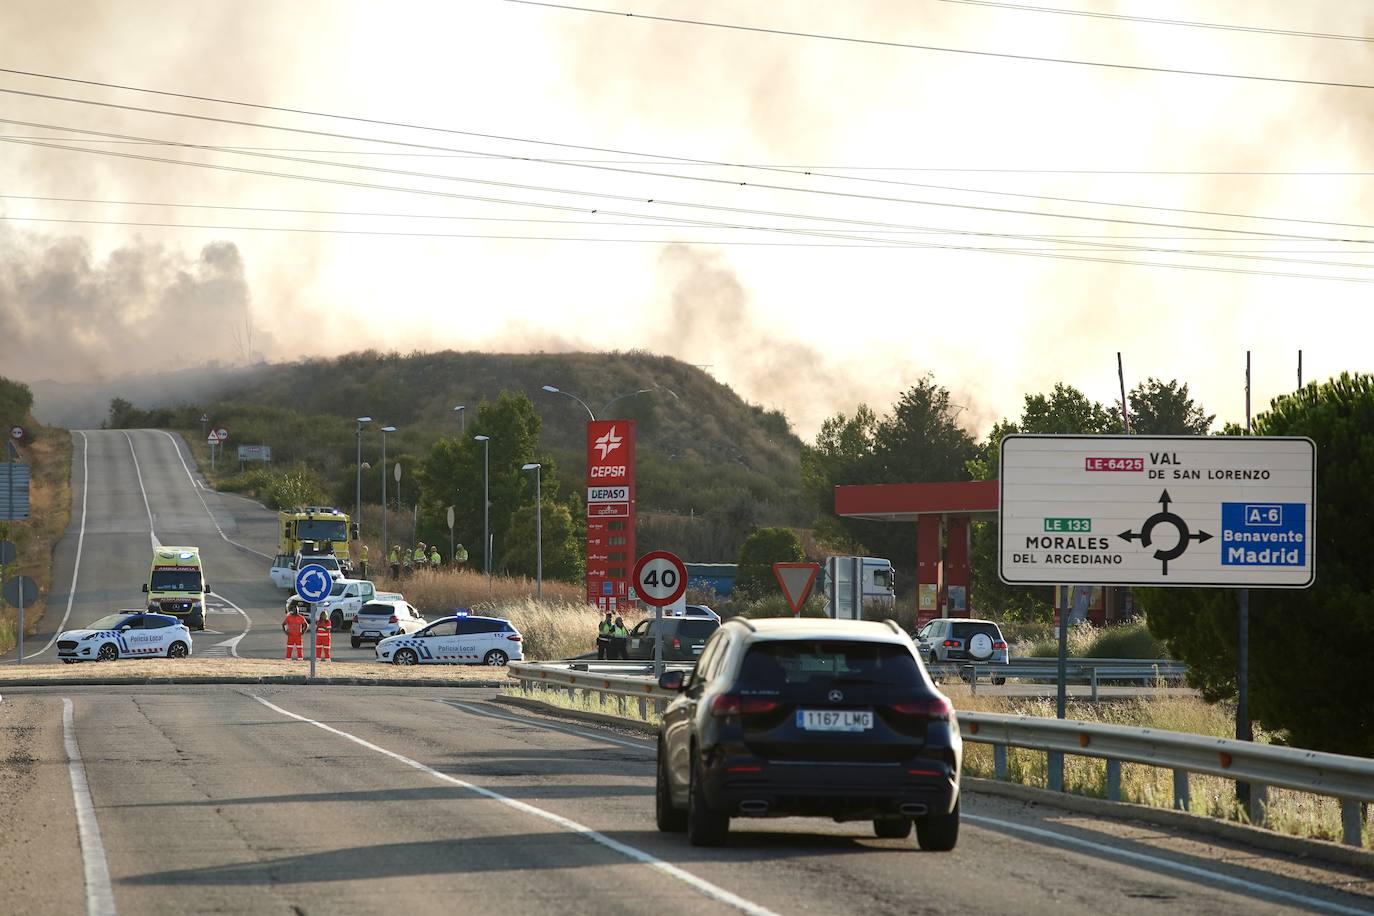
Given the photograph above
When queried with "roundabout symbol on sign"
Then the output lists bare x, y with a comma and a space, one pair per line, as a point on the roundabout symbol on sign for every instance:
660, 578
1165, 517
313, 583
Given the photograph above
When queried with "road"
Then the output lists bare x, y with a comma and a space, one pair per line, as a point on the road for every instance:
134, 488
166, 799
363, 800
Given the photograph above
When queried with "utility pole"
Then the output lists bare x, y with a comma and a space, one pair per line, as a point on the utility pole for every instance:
1243, 731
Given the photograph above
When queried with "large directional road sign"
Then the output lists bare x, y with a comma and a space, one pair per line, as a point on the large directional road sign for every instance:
313, 583
1229, 511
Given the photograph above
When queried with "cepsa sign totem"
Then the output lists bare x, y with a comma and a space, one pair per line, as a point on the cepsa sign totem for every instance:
610, 511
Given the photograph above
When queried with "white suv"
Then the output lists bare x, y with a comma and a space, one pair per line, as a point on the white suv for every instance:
388, 617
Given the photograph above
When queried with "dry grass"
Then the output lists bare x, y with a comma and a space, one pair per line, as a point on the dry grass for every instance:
1295, 813
50, 508
245, 667
586, 701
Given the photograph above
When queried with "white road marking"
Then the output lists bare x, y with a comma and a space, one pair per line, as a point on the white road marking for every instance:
197, 488
523, 720
151, 533
233, 644
706, 888
80, 540
99, 894
1101, 849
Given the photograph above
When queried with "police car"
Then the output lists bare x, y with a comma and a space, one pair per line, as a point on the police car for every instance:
126, 634
458, 640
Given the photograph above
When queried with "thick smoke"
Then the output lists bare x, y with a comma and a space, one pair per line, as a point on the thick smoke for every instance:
71, 316
709, 313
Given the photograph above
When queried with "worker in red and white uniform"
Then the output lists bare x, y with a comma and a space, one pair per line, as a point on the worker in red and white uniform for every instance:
322, 637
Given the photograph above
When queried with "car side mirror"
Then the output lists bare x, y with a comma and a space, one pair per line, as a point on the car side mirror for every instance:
205, 588
672, 680
145, 587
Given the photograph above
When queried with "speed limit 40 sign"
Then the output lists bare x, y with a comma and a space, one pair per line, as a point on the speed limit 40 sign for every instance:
660, 578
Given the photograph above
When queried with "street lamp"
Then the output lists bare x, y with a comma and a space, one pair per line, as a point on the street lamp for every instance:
358, 518
538, 533
607, 406
486, 504
462, 418
385, 430
553, 390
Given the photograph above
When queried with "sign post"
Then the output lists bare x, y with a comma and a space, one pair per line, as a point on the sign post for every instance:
660, 579
1162, 511
312, 584
796, 580
20, 592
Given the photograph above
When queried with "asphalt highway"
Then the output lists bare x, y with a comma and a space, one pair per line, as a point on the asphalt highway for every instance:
366, 800
190, 799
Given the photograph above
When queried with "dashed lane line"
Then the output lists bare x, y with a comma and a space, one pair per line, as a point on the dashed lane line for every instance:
700, 885
99, 894
80, 541
196, 488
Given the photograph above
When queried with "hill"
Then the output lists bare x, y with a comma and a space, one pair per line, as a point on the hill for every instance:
704, 453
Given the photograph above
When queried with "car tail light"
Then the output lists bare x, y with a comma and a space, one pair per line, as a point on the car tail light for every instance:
677, 643
951, 644
394, 619
513, 637
936, 709
999, 644
727, 704
744, 769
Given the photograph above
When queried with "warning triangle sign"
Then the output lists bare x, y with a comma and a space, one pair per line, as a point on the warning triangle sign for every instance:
796, 580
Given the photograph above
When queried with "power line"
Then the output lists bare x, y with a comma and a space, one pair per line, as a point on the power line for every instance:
1021, 7
638, 172
738, 165
917, 47
507, 219
578, 192
894, 244
794, 231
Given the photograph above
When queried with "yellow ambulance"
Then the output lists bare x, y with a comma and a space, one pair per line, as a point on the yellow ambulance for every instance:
176, 585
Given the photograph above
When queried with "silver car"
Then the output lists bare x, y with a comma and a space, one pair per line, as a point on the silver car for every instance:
963, 640
387, 617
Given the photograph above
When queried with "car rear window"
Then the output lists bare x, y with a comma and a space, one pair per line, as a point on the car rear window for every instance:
378, 609
692, 627
809, 662
969, 630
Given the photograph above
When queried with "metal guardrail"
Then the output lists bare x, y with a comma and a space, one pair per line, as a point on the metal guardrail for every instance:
1091, 671
1349, 779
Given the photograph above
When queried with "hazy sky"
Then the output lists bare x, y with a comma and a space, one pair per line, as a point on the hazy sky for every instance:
918, 149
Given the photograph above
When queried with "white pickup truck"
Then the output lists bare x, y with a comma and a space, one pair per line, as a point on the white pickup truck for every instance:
346, 598
283, 572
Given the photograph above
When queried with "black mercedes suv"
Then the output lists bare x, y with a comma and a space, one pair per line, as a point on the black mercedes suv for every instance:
805, 717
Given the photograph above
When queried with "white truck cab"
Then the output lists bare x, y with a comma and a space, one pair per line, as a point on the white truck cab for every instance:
285, 566
345, 599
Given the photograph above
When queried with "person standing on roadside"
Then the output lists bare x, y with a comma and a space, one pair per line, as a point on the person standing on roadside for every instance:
394, 560
603, 637
619, 637
434, 558
363, 561
294, 626
323, 638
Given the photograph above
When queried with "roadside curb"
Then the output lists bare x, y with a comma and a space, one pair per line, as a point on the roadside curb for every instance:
294, 680
598, 718
1182, 820
1334, 853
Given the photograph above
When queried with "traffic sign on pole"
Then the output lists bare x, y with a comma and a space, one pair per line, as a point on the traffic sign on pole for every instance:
313, 582
16, 432
221, 434
796, 580
660, 578
1228, 511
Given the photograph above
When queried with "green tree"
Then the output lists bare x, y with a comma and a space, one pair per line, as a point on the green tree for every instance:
1065, 410
1310, 650
1166, 409
761, 550
452, 474
920, 440
563, 546
16, 400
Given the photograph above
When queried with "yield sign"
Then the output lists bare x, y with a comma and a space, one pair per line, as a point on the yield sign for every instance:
796, 580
